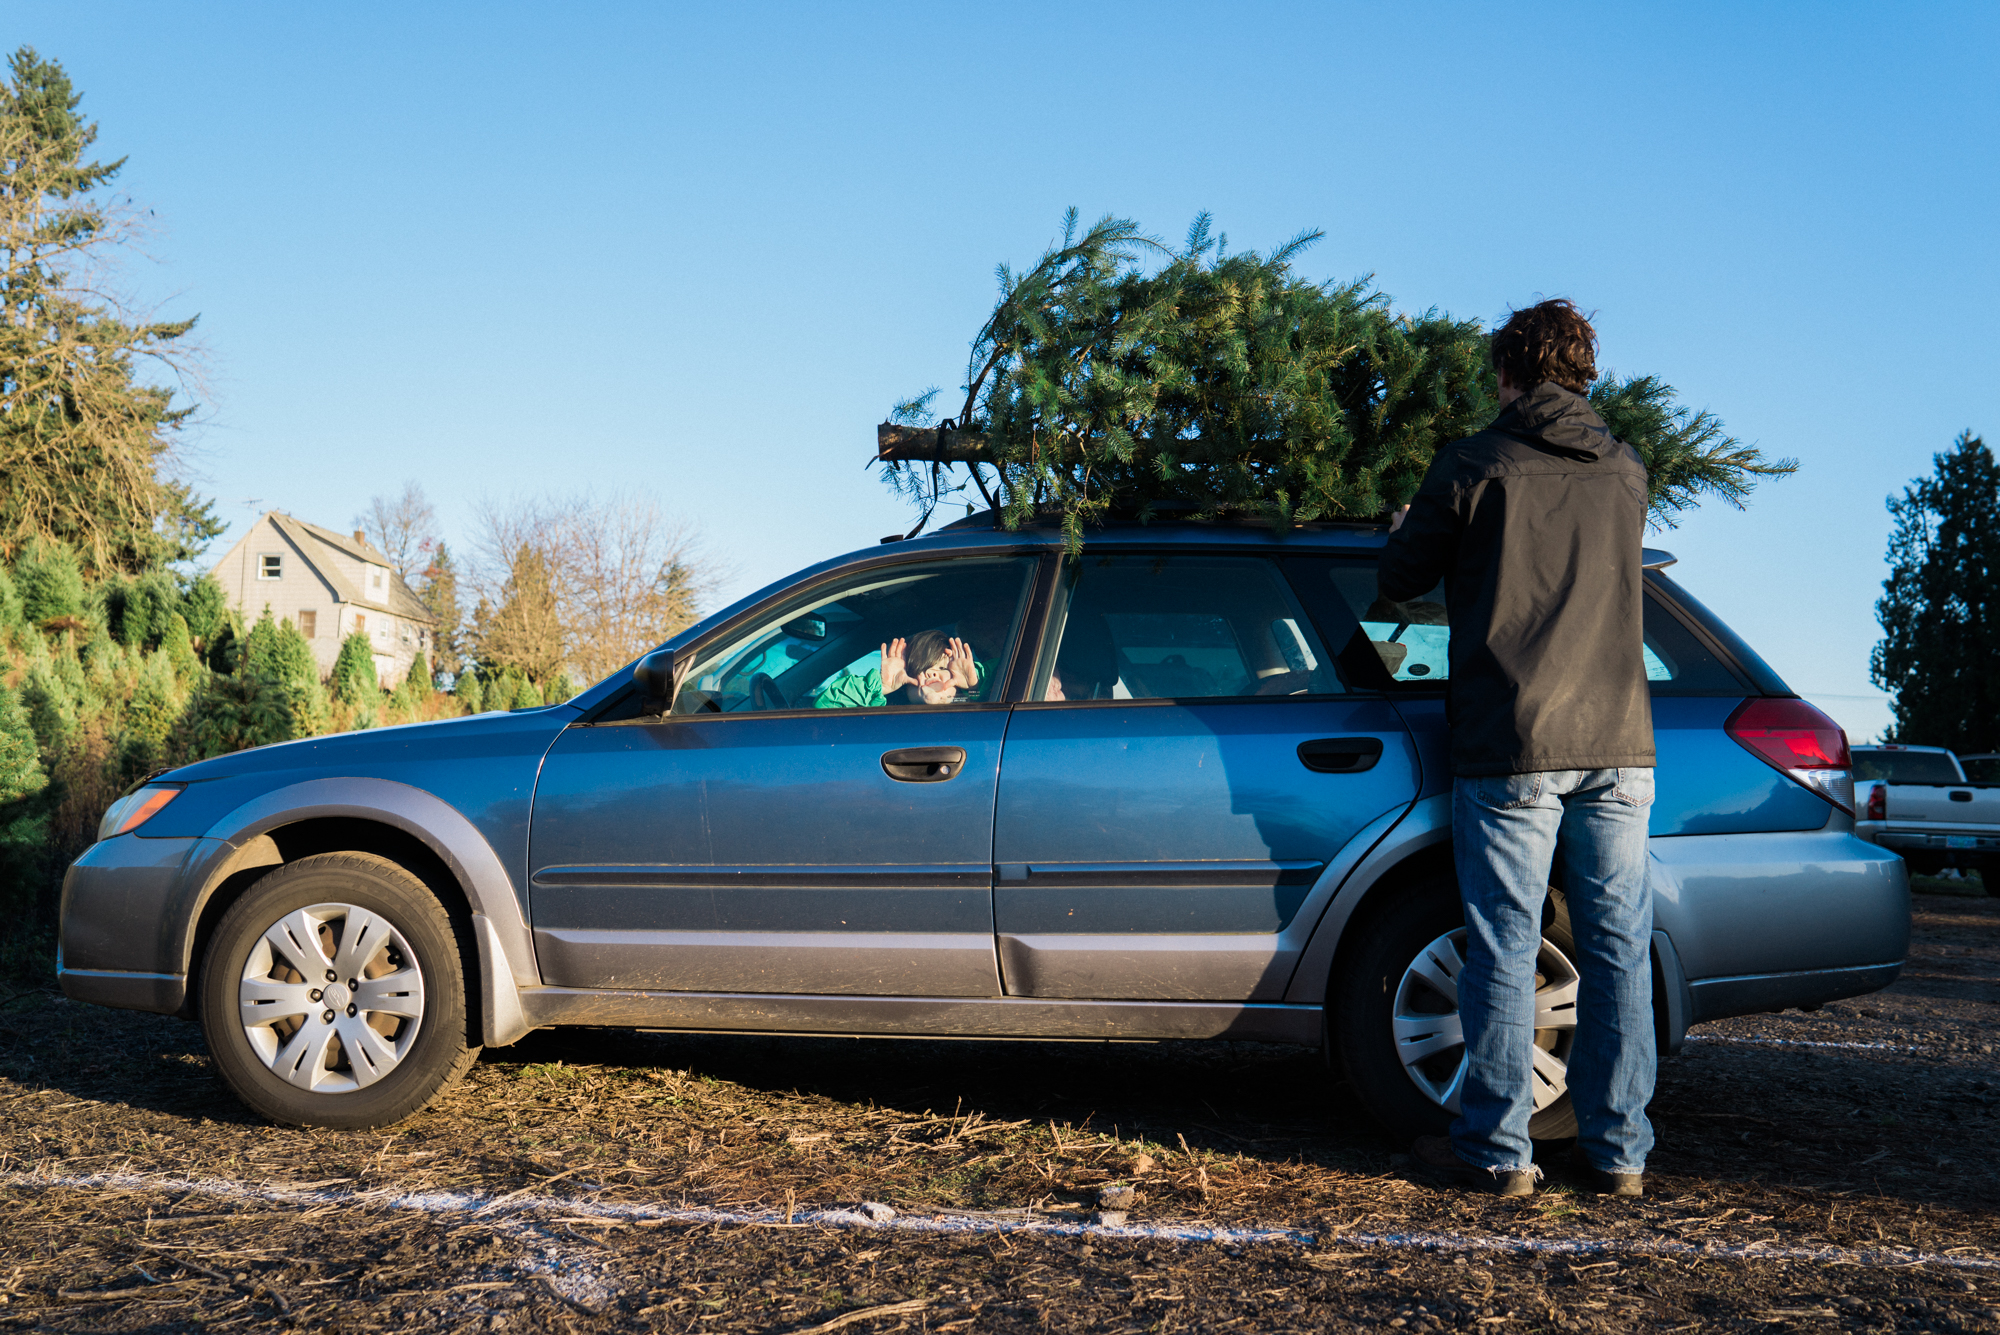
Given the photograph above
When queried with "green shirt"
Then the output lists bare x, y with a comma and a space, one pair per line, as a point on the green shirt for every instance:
863, 690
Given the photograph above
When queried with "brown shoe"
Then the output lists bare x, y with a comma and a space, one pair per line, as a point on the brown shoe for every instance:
1605, 1183
1436, 1156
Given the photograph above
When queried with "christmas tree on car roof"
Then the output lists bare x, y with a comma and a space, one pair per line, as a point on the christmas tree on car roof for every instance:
1123, 377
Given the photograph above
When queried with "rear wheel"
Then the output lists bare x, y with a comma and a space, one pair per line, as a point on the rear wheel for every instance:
1396, 1025
333, 994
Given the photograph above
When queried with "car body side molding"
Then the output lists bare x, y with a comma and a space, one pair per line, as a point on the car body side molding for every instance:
925, 1017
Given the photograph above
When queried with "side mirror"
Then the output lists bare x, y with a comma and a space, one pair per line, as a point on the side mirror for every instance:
655, 675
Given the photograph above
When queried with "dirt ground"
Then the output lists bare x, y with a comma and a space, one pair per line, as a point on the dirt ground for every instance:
1823, 1171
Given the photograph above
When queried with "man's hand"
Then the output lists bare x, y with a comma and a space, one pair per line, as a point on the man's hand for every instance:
893, 676
1396, 520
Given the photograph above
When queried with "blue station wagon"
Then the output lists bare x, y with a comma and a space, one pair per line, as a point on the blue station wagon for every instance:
1191, 784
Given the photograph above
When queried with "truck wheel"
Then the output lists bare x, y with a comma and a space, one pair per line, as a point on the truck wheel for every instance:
333, 994
1396, 1026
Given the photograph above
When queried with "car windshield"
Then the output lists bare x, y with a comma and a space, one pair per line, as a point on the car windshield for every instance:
1905, 766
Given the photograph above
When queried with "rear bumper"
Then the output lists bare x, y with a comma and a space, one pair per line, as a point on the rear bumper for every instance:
1768, 921
1751, 994
1974, 840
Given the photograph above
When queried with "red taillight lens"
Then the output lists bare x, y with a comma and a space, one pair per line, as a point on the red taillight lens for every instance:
1793, 736
1878, 802
1790, 734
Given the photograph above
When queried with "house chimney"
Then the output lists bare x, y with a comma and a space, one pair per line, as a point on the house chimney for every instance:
360, 538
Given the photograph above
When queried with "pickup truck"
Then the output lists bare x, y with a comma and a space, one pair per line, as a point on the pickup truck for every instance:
1917, 801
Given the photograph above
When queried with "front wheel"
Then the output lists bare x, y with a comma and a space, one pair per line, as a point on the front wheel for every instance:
333, 994
1396, 1026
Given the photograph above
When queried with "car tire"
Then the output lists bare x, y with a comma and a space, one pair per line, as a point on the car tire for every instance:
1382, 999
376, 1033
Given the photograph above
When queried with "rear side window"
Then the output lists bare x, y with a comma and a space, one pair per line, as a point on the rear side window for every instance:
1181, 627
1410, 642
1905, 767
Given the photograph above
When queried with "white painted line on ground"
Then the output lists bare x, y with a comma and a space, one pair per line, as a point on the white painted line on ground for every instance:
1802, 1043
575, 1278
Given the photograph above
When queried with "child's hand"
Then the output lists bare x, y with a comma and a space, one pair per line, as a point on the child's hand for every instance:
964, 670
893, 676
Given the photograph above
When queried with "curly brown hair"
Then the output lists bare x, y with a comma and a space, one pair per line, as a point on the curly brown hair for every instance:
1550, 340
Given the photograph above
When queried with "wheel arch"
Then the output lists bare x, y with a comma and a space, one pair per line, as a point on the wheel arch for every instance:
413, 828
1419, 847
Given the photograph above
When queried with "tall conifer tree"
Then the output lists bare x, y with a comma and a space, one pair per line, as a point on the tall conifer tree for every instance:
1940, 605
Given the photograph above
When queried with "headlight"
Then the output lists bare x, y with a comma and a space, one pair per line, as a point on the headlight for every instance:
137, 807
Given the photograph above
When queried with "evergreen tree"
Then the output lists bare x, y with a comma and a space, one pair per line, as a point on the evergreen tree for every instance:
179, 648
525, 632
353, 677
231, 712
466, 690
1940, 605
1214, 384
10, 604
81, 430
205, 608
419, 675
158, 697
438, 588
526, 696
559, 689
23, 814
50, 704
503, 690
260, 646
49, 580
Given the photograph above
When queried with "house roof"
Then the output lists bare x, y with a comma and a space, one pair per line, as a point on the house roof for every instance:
310, 538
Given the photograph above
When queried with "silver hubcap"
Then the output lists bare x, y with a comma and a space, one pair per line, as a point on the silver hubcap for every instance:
1430, 1039
331, 997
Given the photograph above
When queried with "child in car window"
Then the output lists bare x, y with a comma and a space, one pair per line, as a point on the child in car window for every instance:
929, 668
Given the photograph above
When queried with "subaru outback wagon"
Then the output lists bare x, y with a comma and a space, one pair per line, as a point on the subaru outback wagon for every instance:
1191, 784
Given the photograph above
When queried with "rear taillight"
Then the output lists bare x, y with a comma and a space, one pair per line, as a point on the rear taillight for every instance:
1878, 802
1793, 736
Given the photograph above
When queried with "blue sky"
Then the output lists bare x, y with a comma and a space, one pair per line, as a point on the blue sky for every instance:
699, 251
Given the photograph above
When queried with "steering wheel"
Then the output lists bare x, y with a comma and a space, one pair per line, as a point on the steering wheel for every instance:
764, 693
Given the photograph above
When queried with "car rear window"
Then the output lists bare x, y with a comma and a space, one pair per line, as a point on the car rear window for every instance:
1905, 767
1412, 640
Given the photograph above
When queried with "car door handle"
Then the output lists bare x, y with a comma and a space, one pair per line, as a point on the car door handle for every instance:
923, 764
1341, 755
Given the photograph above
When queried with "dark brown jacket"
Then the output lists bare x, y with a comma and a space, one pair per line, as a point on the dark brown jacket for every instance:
1535, 525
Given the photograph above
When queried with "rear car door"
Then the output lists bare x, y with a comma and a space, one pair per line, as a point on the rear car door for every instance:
792, 826
1188, 764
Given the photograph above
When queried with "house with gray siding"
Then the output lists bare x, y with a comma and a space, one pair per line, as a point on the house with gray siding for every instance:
330, 585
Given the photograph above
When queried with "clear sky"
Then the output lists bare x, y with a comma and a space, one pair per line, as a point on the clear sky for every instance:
700, 250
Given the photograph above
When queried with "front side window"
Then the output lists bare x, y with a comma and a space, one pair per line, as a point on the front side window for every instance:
923, 634
1413, 639
1183, 626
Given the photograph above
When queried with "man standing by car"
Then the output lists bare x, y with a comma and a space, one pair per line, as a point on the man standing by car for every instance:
1534, 527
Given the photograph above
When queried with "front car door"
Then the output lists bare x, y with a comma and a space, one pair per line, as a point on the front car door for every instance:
802, 821
1190, 763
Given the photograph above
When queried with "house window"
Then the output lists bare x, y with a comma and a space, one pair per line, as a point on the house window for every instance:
309, 624
403, 633
360, 624
270, 566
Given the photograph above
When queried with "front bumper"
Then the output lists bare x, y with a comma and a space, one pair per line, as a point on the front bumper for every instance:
119, 943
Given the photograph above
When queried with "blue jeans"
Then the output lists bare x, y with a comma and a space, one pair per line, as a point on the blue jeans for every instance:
1506, 831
